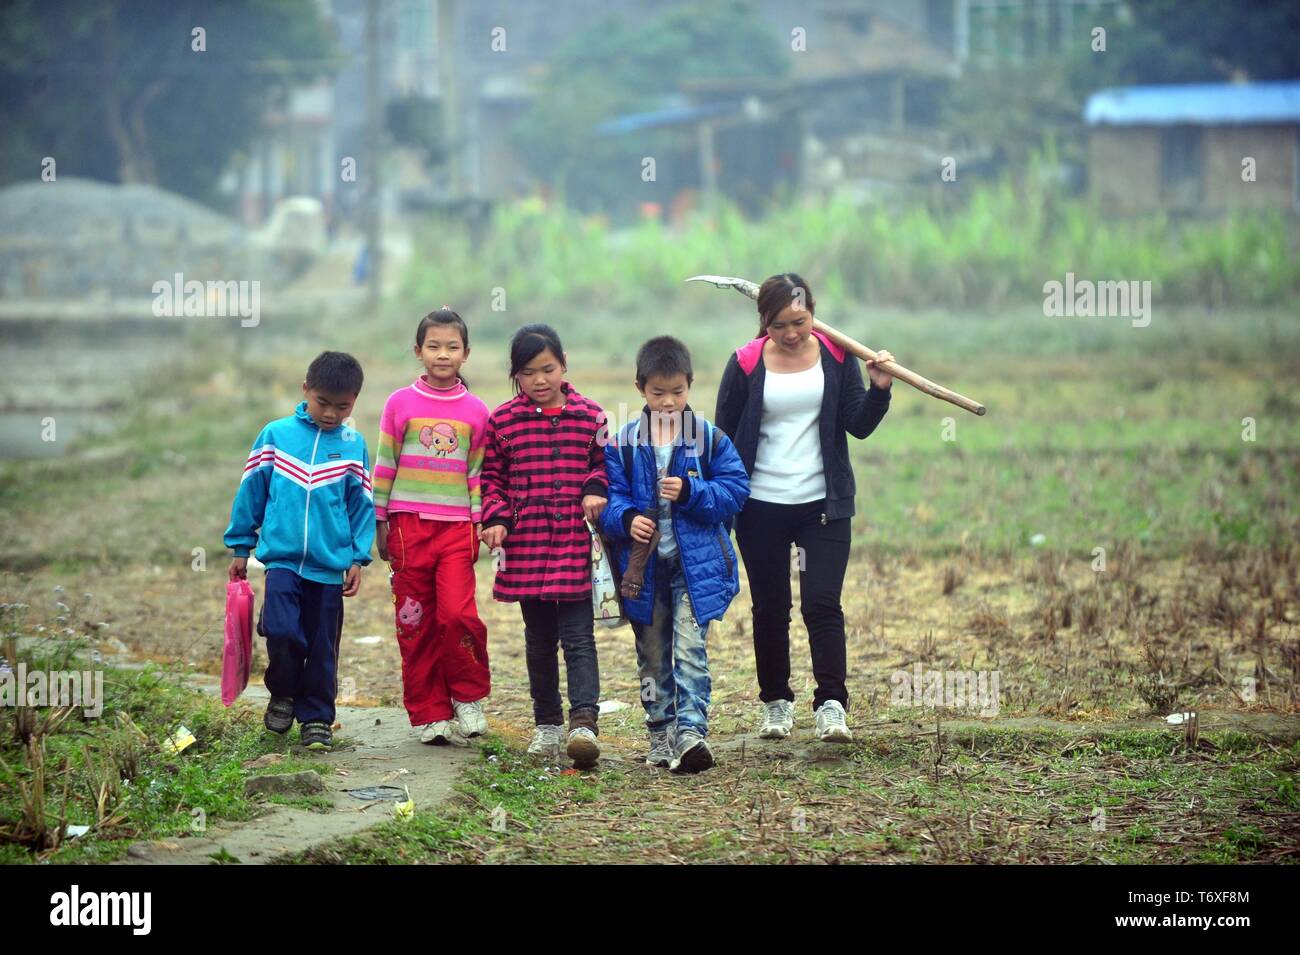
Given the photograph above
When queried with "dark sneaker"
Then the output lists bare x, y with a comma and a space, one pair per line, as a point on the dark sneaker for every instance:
693, 754
279, 715
316, 735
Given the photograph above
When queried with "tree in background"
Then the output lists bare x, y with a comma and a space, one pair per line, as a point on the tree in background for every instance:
114, 90
615, 68
1007, 109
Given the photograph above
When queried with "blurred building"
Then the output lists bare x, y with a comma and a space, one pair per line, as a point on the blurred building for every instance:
1011, 31
858, 112
302, 147
1197, 147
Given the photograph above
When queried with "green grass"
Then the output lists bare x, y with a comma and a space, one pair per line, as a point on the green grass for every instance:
153, 794
504, 796
995, 250
887, 797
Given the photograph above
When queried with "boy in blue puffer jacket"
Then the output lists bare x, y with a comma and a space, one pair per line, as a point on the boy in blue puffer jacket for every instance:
305, 501
675, 482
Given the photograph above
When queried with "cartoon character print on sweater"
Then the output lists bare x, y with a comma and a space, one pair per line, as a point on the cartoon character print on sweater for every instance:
440, 438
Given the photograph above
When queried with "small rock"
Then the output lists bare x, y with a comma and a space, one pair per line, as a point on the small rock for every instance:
305, 783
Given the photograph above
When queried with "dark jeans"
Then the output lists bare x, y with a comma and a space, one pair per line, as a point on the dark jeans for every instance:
302, 621
571, 624
764, 532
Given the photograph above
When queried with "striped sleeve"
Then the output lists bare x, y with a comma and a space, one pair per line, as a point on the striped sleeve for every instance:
596, 480
474, 466
392, 433
494, 477
361, 511
249, 507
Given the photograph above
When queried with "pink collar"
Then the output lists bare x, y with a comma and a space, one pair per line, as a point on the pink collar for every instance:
443, 394
751, 354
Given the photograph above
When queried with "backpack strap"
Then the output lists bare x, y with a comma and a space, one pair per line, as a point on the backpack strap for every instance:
709, 447
626, 447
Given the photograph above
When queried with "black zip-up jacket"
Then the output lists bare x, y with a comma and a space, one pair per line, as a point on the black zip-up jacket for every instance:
848, 407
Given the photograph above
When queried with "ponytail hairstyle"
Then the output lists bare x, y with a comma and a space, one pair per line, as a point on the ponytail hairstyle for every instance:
443, 316
779, 291
529, 342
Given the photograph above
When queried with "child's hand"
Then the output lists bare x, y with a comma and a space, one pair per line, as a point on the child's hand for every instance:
670, 488
592, 505
642, 529
352, 581
381, 539
493, 536
239, 569
879, 377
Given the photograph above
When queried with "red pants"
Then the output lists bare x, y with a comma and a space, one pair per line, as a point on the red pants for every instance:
442, 639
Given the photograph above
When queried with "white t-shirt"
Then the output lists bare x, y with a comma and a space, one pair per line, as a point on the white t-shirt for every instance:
667, 542
788, 463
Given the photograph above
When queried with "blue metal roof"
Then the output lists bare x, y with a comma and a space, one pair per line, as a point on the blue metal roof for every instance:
663, 117
1195, 103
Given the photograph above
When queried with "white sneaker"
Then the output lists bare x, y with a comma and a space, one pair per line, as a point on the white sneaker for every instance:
831, 727
470, 717
546, 741
442, 733
777, 720
661, 749
583, 748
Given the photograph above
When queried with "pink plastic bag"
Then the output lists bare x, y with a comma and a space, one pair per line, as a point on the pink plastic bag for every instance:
237, 656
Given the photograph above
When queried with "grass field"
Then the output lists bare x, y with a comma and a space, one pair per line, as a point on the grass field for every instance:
976, 549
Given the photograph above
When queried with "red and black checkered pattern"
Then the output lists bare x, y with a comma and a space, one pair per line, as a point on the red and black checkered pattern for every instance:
536, 470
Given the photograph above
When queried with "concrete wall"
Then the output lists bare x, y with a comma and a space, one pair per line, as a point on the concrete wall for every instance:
1124, 167
1273, 149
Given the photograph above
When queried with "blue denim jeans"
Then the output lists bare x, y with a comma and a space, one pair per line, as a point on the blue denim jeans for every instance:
672, 662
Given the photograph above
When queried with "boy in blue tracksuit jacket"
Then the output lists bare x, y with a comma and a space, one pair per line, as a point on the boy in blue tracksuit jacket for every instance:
305, 501
688, 475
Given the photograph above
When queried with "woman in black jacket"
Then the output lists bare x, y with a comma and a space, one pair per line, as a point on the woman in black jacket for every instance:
788, 399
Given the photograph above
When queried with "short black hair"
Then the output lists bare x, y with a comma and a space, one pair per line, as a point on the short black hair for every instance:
336, 372
663, 355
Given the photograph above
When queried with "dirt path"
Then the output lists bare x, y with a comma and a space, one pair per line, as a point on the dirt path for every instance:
380, 749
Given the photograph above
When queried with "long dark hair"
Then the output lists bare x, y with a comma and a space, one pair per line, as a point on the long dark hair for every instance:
529, 342
443, 316
779, 291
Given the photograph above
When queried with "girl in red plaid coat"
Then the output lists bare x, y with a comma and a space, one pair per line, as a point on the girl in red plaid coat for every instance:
543, 478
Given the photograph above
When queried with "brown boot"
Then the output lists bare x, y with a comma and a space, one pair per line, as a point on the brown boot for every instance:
637, 558
582, 746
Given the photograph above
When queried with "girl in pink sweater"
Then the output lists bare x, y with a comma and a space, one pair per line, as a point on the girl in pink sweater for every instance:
427, 512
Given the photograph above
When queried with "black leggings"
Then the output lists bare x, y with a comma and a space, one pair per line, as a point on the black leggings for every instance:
764, 532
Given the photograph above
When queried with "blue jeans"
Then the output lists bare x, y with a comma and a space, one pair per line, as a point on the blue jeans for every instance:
672, 662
